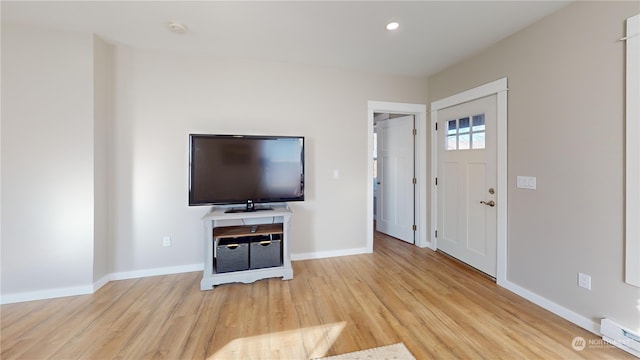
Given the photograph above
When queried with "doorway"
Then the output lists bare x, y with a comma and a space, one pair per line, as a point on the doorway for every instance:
496, 91
419, 111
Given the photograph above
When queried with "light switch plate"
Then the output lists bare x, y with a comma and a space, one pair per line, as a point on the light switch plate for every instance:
526, 182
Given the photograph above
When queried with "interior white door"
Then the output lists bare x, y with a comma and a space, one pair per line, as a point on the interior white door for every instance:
395, 210
466, 183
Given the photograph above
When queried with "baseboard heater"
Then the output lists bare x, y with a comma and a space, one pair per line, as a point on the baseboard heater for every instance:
620, 336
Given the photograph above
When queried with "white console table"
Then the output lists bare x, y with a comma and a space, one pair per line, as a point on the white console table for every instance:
220, 224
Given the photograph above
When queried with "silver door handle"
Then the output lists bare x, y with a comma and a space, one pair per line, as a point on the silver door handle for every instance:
490, 203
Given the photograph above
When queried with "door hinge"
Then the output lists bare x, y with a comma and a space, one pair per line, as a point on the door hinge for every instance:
415, 132
415, 181
414, 227
436, 233
436, 181
436, 126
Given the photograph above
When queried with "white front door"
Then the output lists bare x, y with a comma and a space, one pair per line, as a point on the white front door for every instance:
466, 183
395, 210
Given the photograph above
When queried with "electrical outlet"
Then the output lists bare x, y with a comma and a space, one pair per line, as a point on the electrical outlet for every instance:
584, 281
166, 241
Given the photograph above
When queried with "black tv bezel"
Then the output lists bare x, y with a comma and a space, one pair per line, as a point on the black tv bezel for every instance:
249, 203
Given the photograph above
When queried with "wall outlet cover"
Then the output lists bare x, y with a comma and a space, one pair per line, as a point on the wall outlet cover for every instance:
584, 281
166, 241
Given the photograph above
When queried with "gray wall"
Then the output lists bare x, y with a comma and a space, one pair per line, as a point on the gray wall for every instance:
103, 116
95, 153
47, 160
161, 98
566, 127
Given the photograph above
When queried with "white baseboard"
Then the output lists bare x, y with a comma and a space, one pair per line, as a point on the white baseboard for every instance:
90, 289
46, 294
101, 282
156, 271
547, 304
328, 254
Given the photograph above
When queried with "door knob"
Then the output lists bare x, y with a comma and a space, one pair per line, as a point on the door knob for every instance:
490, 203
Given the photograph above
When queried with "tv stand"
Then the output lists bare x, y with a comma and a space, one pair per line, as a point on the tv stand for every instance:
219, 224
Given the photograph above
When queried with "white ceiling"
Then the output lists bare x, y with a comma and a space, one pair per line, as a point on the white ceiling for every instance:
351, 35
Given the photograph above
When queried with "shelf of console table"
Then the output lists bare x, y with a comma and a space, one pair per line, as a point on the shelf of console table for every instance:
223, 232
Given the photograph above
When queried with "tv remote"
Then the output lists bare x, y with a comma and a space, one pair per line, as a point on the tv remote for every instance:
254, 228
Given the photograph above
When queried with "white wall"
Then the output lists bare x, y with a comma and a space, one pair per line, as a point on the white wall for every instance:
566, 127
161, 98
47, 160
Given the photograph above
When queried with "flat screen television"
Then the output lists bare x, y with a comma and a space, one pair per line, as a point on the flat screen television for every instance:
245, 170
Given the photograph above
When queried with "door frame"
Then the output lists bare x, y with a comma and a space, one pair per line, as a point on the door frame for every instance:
420, 156
498, 88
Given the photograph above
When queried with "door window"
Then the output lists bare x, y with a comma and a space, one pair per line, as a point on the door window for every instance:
466, 133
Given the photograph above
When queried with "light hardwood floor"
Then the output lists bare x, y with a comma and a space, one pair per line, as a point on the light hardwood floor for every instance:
439, 308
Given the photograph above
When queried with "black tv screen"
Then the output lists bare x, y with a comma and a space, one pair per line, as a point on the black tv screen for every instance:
245, 169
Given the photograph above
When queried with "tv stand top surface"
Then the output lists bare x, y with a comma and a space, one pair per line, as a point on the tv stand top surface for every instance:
221, 212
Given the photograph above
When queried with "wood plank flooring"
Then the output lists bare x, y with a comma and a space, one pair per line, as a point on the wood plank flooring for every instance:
438, 307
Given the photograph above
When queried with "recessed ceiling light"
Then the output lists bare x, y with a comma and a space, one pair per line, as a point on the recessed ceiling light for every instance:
393, 26
177, 27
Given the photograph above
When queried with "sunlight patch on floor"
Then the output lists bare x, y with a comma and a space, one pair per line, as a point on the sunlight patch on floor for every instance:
305, 343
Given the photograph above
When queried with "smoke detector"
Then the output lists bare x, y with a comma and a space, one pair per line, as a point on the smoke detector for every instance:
177, 27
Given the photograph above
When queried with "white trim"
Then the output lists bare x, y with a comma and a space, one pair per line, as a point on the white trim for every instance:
502, 153
582, 321
90, 289
434, 174
632, 232
420, 112
481, 91
46, 294
328, 254
498, 88
157, 271
101, 282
